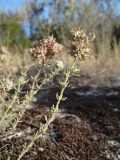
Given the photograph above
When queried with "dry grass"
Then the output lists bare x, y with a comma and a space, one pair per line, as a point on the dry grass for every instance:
14, 63
103, 66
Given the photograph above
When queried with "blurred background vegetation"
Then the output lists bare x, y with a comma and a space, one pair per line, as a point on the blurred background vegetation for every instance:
38, 18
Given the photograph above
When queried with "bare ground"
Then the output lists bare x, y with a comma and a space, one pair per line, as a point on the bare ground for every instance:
87, 128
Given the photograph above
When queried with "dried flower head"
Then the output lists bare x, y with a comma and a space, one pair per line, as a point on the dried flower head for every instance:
81, 44
45, 49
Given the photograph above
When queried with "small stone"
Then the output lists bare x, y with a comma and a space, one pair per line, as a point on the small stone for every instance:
95, 137
115, 110
108, 156
118, 156
41, 149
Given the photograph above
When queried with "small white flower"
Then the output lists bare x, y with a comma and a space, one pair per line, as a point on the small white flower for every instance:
77, 70
60, 64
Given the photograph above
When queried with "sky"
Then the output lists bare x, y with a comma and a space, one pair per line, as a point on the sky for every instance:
12, 5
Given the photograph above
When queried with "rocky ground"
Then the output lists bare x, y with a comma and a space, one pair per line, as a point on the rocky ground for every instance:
87, 128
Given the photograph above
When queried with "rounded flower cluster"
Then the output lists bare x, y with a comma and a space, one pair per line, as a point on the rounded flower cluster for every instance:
81, 44
45, 49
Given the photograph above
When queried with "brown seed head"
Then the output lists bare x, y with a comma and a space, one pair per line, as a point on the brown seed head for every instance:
81, 44
45, 49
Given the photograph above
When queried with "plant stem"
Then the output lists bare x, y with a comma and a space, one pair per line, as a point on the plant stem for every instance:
42, 130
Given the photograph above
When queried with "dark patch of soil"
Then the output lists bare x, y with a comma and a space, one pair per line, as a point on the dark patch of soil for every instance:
88, 127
